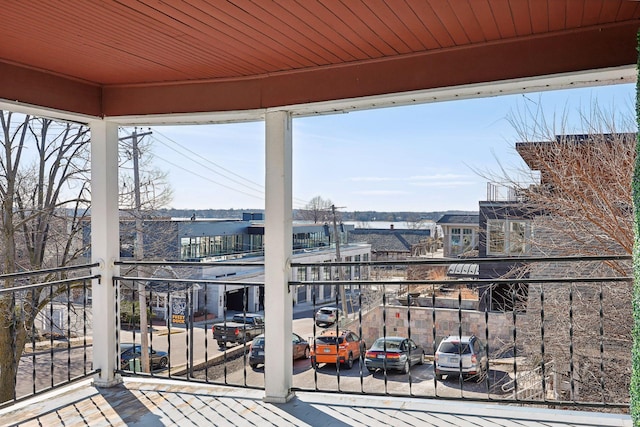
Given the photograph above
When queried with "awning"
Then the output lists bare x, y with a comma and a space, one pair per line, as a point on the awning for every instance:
463, 270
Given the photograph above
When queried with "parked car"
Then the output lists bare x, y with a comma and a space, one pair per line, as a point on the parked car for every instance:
333, 346
461, 355
242, 328
393, 353
129, 351
256, 351
327, 316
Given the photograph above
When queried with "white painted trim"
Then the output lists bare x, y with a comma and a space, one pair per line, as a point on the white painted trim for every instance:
607, 76
105, 247
278, 302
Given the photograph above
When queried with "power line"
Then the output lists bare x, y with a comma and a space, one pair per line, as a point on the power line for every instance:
182, 147
260, 186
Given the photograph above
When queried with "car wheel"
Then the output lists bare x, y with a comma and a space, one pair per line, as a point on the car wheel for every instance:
421, 361
439, 377
372, 370
405, 368
307, 353
163, 362
349, 363
253, 365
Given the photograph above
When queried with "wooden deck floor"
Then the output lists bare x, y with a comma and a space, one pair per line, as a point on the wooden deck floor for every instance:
154, 402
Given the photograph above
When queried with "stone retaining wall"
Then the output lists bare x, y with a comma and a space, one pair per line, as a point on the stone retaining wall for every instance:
447, 322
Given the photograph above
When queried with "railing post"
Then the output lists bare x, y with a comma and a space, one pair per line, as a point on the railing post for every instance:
278, 251
104, 247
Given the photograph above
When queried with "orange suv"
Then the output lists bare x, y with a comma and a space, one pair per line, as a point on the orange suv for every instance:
333, 346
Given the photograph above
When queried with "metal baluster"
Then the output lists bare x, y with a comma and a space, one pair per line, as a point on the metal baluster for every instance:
515, 346
337, 337
244, 334
460, 377
150, 329
486, 344
363, 347
409, 336
224, 322
33, 343
314, 363
116, 285
571, 367
84, 327
602, 373
206, 331
433, 330
384, 336
50, 335
169, 312
187, 326
68, 332
542, 349
14, 363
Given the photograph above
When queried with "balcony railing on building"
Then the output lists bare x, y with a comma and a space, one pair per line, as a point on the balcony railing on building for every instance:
555, 340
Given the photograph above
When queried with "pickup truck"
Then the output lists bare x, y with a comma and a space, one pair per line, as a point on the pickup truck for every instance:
241, 329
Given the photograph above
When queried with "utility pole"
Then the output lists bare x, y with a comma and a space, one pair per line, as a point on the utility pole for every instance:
343, 297
139, 253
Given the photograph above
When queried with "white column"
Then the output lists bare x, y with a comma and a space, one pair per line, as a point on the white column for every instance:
104, 247
278, 231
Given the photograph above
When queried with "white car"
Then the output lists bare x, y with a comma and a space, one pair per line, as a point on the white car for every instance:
327, 316
461, 355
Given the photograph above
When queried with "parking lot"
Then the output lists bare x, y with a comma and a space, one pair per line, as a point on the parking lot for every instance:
419, 381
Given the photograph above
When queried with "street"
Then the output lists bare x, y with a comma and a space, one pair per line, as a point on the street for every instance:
198, 346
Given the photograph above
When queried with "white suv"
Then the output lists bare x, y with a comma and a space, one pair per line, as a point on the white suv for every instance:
327, 316
461, 355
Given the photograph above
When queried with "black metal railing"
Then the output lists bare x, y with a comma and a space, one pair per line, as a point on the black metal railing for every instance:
571, 350
182, 325
552, 329
46, 336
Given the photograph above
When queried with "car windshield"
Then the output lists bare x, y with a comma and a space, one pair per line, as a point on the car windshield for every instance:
455, 347
259, 341
390, 345
328, 340
326, 311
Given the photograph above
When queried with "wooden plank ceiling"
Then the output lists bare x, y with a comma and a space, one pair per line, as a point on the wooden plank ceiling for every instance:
130, 57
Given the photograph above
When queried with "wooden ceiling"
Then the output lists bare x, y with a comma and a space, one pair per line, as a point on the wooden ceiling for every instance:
129, 57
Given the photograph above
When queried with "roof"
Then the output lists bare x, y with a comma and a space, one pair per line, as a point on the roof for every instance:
463, 270
135, 58
387, 240
454, 219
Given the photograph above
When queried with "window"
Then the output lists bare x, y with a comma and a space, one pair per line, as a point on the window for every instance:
508, 237
455, 240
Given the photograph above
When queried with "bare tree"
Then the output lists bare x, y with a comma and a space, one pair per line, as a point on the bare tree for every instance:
577, 194
44, 191
317, 210
143, 189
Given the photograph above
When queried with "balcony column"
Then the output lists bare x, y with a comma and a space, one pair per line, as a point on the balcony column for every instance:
104, 247
278, 230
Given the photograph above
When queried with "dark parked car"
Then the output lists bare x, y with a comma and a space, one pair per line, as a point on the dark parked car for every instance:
393, 353
129, 351
256, 351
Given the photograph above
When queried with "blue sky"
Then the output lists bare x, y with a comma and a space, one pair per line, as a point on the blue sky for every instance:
412, 158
